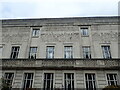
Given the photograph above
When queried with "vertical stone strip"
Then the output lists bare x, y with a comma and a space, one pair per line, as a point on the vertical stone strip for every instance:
0, 43
18, 79
80, 80
38, 81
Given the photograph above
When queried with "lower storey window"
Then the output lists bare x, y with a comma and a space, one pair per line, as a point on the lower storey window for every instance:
48, 81
28, 80
112, 79
90, 81
69, 81
9, 78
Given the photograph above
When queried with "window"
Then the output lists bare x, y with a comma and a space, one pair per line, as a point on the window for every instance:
84, 31
112, 79
69, 81
1, 52
68, 52
15, 52
90, 81
28, 80
48, 81
9, 78
35, 32
33, 52
106, 51
86, 52
50, 52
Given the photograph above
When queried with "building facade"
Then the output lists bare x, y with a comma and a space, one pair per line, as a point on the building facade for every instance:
60, 53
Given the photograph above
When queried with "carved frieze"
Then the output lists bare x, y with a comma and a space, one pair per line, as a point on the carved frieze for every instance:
105, 36
60, 37
15, 37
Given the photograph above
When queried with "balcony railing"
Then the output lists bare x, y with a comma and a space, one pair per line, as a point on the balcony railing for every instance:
61, 63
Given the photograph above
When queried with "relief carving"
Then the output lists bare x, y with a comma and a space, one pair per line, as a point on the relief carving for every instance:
105, 37
60, 37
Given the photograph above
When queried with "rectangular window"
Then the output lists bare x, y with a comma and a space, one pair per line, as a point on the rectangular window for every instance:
35, 32
68, 52
69, 81
84, 31
15, 52
48, 81
33, 52
112, 79
106, 51
28, 80
9, 78
86, 52
1, 52
90, 81
50, 52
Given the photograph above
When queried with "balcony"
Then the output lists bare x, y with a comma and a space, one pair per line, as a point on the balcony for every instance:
67, 64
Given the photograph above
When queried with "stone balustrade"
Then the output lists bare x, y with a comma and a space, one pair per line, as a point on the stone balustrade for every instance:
61, 63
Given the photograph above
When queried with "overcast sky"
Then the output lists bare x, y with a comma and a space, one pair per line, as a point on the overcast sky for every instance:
10, 9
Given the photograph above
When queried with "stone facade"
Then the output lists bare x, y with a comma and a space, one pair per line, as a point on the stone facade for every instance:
61, 32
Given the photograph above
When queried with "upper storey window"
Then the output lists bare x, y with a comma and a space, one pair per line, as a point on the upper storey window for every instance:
35, 32
68, 52
84, 31
33, 52
50, 52
86, 52
106, 51
15, 52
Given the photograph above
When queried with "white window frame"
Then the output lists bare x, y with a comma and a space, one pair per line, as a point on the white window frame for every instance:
45, 81
68, 50
35, 32
106, 53
86, 52
84, 31
114, 78
13, 52
71, 80
11, 79
1, 51
50, 52
93, 81
32, 55
25, 80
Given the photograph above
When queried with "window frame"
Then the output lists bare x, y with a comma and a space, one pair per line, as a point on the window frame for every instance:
73, 79
109, 81
14, 52
45, 80
9, 79
94, 82
108, 56
86, 53
70, 52
48, 52
26, 80
33, 53
35, 32
84, 31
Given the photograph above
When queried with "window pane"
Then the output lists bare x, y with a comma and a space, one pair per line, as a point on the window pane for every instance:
90, 81
84, 31
33, 52
112, 79
28, 79
35, 32
86, 52
48, 81
68, 52
106, 51
15, 52
50, 52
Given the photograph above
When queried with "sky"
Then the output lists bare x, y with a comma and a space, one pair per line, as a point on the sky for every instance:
19, 9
